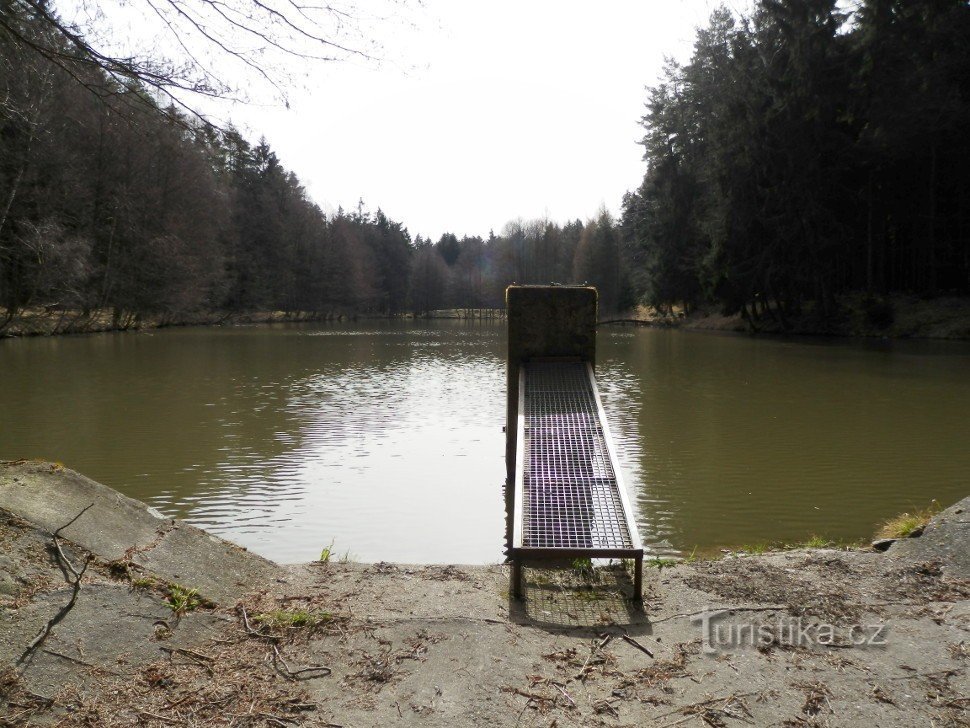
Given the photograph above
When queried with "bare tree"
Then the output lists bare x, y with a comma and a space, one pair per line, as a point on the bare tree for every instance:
190, 48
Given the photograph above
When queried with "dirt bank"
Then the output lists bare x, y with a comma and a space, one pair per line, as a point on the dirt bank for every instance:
894, 317
798, 638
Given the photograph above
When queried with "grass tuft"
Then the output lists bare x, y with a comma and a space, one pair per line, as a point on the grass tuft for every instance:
293, 618
906, 524
327, 553
584, 569
181, 599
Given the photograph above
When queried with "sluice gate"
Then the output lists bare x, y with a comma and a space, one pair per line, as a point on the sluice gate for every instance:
568, 497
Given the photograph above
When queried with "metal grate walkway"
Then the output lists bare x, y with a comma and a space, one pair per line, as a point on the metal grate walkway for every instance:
570, 499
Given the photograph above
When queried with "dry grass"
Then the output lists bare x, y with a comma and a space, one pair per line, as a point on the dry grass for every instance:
908, 524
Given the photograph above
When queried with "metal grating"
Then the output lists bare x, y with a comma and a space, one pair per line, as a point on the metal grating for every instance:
571, 496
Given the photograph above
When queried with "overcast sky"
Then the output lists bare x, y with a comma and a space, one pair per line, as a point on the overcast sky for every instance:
483, 112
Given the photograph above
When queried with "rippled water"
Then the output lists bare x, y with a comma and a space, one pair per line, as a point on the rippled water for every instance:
385, 438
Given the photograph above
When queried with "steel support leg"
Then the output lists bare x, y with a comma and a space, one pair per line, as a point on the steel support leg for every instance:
517, 578
638, 580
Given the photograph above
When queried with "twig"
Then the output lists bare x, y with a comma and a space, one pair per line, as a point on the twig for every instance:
712, 610
162, 718
57, 543
188, 653
308, 673
255, 632
436, 620
566, 695
78, 661
592, 651
196, 657
531, 696
630, 640
522, 712
275, 719
702, 703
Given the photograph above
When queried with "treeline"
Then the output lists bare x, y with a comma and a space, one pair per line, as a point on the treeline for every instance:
472, 272
804, 152
110, 203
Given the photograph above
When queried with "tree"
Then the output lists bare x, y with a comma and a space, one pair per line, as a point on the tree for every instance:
598, 262
429, 277
805, 152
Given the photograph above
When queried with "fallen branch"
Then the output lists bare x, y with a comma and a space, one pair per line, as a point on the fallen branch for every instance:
76, 589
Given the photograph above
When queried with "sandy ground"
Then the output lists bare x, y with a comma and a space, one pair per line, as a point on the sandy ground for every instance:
812, 637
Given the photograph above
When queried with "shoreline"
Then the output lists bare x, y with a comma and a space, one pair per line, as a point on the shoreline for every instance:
45, 324
112, 615
896, 317
35, 324
904, 317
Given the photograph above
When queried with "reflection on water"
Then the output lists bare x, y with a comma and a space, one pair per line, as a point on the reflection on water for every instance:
385, 438
387, 442
733, 440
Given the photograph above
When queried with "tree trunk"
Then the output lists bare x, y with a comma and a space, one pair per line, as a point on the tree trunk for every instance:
869, 233
931, 232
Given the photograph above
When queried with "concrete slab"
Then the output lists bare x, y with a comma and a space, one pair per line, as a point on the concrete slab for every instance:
219, 569
112, 630
48, 496
945, 540
116, 527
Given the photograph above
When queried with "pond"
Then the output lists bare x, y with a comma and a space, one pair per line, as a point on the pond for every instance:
384, 438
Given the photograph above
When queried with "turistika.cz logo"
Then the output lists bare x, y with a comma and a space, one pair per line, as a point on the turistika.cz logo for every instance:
718, 635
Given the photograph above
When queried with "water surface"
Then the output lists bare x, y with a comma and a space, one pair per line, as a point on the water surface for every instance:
385, 438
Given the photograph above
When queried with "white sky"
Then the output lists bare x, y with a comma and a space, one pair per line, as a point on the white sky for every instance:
508, 109
483, 112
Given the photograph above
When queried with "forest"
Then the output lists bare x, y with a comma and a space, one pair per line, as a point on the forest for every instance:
803, 152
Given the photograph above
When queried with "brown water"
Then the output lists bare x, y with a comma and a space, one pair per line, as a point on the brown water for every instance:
385, 438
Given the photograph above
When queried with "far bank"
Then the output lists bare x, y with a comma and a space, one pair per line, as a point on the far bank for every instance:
898, 316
